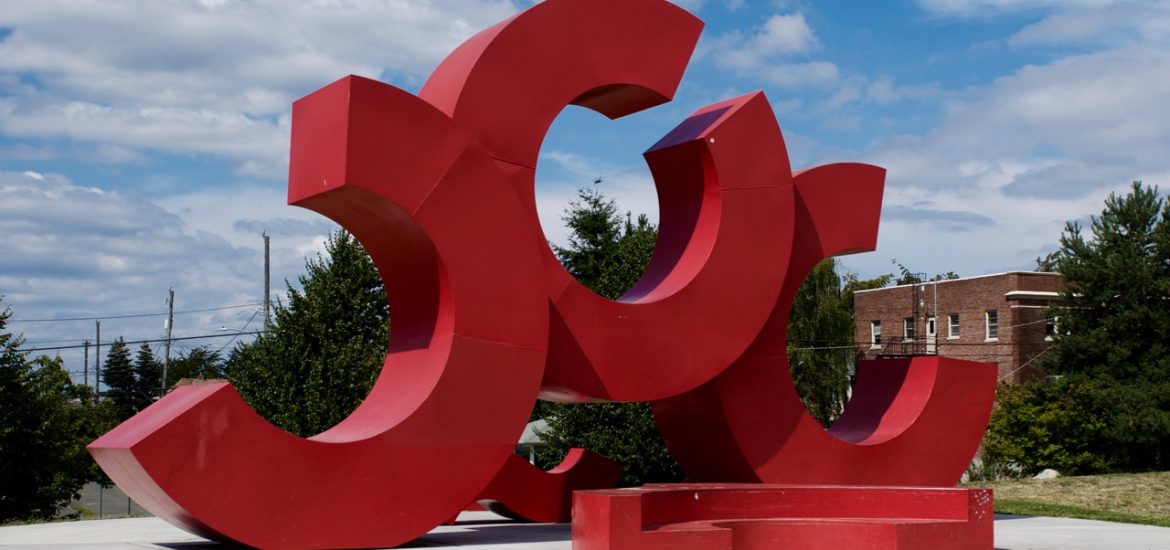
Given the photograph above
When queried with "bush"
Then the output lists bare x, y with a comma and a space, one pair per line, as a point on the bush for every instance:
1059, 424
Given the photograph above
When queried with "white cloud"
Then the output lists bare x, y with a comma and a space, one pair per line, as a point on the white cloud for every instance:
968, 8
793, 75
784, 34
1129, 23
694, 6
884, 91
213, 77
72, 250
632, 188
766, 53
1012, 161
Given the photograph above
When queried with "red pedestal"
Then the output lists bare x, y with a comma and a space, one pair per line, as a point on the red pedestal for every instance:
747, 516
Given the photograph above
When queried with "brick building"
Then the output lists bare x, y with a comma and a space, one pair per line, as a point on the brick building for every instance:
1000, 318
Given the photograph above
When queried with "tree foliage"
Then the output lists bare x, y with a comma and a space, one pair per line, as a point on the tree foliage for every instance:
907, 277
147, 377
605, 254
820, 342
201, 362
45, 423
1117, 321
1111, 350
121, 383
324, 349
1037, 426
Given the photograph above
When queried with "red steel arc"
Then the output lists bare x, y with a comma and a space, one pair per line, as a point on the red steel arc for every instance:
723, 179
460, 375
749, 424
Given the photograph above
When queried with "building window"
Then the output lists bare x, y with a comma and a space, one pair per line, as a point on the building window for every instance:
992, 324
953, 326
908, 329
1051, 325
875, 334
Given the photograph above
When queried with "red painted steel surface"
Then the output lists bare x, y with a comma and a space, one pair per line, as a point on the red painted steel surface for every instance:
723, 180
439, 190
748, 517
461, 373
910, 422
523, 491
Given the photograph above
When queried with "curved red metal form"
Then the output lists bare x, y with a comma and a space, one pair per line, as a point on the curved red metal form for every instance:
461, 373
523, 491
910, 422
723, 180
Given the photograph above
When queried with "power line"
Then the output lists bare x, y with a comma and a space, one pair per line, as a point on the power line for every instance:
130, 315
241, 331
152, 341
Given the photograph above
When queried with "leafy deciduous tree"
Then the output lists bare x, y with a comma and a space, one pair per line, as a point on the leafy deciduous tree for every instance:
45, 423
820, 342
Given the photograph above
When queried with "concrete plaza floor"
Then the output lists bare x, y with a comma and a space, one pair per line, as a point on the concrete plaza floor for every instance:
484, 530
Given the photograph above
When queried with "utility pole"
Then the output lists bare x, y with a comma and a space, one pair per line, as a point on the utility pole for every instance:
170, 325
85, 365
97, 363
267, 290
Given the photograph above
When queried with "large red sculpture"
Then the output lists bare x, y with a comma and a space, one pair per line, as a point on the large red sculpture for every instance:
439, 188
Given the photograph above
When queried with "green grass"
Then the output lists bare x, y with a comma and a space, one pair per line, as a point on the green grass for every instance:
1028, 508
1126, 498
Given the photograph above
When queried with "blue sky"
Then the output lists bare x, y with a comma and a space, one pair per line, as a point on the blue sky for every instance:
143, 144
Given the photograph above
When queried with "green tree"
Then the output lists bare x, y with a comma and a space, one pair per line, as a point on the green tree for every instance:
607, 254
147, 377
907, 277
201, 362
594, 233
1116, 320
121, 383
820, 342
324, 349
854, 283
1112, 349
45, 423
1059, 425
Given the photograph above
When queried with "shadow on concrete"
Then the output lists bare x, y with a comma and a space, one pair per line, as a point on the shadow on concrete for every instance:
491, 532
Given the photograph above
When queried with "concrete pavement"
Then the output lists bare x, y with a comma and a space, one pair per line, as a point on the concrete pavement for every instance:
484, 530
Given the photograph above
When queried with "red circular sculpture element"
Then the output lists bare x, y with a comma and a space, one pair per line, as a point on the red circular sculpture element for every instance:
723, 179
910, 422
461, 373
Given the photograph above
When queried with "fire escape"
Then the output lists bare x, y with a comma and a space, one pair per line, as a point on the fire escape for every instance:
922, 338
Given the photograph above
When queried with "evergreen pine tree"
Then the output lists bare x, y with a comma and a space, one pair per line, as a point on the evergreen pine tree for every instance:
45, 423
147, 377
1115, 326
200, 362
121, 383
324, 349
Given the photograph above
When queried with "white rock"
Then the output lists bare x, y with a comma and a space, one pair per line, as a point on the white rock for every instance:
1048, 473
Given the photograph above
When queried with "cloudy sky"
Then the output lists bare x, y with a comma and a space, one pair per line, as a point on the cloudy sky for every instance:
144, 144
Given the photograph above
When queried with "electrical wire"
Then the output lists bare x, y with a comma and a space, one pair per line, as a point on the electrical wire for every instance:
151, 341
131, 315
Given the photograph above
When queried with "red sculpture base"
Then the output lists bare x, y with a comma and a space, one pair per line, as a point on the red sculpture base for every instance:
750, 516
